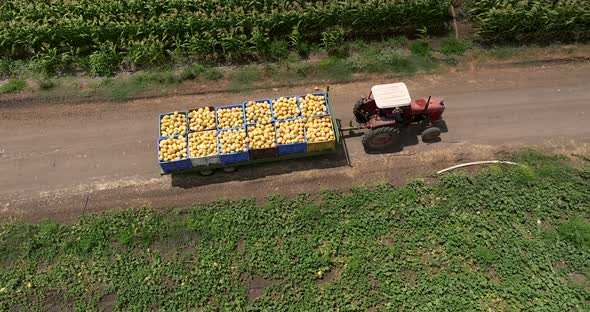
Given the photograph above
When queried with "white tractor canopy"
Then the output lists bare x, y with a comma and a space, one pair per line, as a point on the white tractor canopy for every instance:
391, 95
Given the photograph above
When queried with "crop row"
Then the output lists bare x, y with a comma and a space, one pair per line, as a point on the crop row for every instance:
205, 29
539, 21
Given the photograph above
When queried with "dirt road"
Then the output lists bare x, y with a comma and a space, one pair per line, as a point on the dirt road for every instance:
59, 161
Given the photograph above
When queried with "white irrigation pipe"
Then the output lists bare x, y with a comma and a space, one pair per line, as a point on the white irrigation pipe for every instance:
477, 163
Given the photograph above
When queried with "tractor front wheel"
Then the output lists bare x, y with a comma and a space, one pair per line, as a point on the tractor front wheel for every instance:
381, 138
430, 134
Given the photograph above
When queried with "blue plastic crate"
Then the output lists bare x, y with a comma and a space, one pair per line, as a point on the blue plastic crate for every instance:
170, 166
325, 95
160, 123
272, 115
230, 106
292, 148
233, 157
288, 97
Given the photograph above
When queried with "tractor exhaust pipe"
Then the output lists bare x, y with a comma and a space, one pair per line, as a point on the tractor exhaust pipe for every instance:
427, 103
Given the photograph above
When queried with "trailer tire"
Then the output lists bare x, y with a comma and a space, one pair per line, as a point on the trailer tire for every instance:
381, 138
229, 169
430, 134
206, 172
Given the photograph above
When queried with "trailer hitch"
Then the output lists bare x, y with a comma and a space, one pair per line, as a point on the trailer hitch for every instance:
351, 127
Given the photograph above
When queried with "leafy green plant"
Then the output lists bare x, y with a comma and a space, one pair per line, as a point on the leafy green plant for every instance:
104, 61
395, 61
452, 46
150, 51
13, 86
333, 41
421, 48
47, 62
211, 73
576, 231
8, 67
47, 84
192, 72
279, 50
451, 60
397, 42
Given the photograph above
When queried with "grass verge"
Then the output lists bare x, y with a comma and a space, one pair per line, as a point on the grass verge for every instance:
492, 241
393, 58
13, 86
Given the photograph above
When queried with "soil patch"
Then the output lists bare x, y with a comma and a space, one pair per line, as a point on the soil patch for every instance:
493, 276
410, 277
328, 277
256, 285
56, 301
241, 247
577, 279
107, 302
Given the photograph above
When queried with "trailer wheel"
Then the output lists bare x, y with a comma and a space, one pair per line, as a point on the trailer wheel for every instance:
229, 169
381, 138
206, 172
430, 134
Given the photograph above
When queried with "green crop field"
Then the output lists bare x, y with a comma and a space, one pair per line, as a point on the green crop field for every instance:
506, 239
102, 37
103, 34
537, 21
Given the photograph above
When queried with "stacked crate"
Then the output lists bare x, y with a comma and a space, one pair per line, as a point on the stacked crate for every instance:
231, 125
289, 125
319, 129
202, 137
172, 146
260, 124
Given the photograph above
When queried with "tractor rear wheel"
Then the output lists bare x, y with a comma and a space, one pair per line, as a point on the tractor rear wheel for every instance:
430, 134
381, 138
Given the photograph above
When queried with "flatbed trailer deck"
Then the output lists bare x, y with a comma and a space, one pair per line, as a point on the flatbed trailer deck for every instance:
210, 169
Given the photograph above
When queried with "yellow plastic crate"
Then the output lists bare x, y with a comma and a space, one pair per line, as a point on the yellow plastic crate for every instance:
321, 146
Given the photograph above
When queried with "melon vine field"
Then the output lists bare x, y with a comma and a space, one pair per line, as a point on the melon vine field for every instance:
505, 239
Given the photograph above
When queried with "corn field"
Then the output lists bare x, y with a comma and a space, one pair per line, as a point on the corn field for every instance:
151, 31
531, 21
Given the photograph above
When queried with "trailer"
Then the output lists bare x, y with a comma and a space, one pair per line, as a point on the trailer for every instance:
229, 162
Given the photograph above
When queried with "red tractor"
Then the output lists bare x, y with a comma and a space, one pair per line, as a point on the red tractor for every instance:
389, 108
